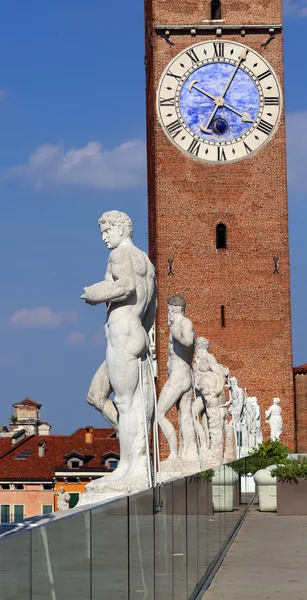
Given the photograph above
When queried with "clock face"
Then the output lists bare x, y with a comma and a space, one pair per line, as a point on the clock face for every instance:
219, 101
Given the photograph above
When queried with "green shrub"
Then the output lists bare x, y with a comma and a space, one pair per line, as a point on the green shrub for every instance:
267, 453
291, 470
203, 476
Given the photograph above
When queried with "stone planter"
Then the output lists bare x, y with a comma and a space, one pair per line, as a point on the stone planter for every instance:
292, 498
223, 489
266, 485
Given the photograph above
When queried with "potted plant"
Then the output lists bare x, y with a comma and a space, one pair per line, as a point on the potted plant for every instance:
291, 487
268, 454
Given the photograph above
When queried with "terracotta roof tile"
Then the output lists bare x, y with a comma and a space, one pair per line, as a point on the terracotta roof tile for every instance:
27, 402
57, 446
302, 370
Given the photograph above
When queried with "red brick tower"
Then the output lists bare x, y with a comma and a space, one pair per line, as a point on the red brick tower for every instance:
218, 221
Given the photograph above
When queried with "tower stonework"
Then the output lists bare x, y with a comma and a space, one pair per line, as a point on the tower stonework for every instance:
237, 296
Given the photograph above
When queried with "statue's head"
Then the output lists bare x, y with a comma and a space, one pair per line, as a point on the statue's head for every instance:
62, 489
276, 400
233, 381
115, 226
202, 344
176, 305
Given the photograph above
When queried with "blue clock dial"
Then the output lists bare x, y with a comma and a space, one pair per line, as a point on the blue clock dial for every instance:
196, 108
219, 101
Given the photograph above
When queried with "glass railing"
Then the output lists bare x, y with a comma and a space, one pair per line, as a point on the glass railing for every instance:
160, 544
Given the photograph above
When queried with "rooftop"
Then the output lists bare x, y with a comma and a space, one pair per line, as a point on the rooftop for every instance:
302, 370
27, 402
35, 467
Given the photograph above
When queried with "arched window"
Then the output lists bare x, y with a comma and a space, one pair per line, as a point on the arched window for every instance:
221, 236
216, 10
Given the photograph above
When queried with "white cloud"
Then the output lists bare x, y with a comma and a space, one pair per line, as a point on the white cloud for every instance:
76, 338
91, 166
43, 317
296, 8
3, 95
297, 151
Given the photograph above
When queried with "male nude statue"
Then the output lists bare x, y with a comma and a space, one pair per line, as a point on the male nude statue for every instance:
129, 290
210, 379
178, 387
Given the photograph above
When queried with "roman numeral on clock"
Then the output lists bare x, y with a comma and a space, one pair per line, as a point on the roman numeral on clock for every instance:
194, 147
221, 154
219, 50
271, 101
265, 127
167, 101
193, 56
174, 128
264, 75
170, 74
247, 148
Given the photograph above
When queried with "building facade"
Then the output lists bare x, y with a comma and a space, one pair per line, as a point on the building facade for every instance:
300, 387
218, 217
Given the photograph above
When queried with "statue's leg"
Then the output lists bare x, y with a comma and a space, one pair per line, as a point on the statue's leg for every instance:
125, 379
168, 397
98, 396
198, 408
188, 444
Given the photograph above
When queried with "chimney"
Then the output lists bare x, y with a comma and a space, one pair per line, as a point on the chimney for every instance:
18, 436
41, 448
44, 429
89, 434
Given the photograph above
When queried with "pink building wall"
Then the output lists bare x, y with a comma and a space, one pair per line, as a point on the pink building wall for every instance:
32, 497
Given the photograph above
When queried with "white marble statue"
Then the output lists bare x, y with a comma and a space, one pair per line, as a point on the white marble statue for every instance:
210, 379
237, 398
63, 499
129, 291
254, 422
178, 390
273, 416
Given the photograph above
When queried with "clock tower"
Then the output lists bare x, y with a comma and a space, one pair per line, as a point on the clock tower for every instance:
218, 220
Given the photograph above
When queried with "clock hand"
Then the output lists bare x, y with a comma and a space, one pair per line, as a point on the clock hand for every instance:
192, 85
245, 117
220, 99
241, 58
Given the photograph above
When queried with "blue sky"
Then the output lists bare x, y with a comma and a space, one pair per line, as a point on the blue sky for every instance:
72, 122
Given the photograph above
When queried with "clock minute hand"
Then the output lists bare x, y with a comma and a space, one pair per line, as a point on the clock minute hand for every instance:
241, 58
220, 99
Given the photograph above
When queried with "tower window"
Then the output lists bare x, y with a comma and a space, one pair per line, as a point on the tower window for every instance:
223, 324
221, 236
216, 10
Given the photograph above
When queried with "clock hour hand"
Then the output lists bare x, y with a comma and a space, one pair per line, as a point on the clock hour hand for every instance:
217, 101
192, 85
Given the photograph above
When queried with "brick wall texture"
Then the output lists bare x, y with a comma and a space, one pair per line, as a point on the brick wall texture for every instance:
300, 387
186, 201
